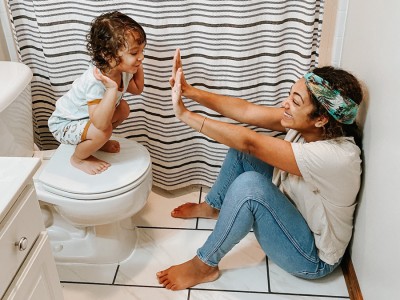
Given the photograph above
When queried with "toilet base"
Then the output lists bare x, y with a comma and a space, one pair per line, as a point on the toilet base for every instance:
102, 244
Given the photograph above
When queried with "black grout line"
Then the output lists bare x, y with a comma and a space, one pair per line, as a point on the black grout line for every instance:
115, 275
310, 295
209, 290
188, 297
268, 281
197, 219
267, 293
139, 285
86, 282
174, 228
201, 192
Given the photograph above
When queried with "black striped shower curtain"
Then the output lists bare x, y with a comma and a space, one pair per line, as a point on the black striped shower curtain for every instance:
250, 49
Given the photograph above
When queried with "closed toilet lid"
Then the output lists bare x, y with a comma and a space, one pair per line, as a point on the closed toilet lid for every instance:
127, 170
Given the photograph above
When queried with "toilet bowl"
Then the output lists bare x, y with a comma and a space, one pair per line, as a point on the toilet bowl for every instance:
88, 217
84, 199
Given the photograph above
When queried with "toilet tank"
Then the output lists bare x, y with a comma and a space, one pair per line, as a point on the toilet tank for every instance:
16, 127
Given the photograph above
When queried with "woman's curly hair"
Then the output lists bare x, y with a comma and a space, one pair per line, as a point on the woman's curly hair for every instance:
348, 86
108, 35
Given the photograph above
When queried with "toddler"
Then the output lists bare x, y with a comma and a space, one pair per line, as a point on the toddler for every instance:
87, 114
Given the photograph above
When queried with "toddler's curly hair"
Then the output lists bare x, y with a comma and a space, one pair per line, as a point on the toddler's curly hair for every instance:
107, 35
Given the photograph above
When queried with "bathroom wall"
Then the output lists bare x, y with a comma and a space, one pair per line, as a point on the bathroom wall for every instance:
4, 55
333, 28
3, 46
7, 46
371, 50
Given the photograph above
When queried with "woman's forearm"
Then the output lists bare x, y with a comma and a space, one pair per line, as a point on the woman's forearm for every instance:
227, 106
238, 109
228, 134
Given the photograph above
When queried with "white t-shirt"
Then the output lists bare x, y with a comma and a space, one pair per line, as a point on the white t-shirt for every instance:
326, 192
86, 88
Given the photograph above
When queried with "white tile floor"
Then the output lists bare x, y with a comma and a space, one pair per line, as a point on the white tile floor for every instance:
163, 241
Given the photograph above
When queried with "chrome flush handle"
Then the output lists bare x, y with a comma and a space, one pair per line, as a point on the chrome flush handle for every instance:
22, 244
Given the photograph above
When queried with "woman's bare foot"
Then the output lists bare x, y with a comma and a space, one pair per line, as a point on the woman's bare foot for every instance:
195, 210
188, 274
111, 146
90, 165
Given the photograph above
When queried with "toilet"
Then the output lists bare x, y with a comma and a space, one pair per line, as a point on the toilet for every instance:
88, 217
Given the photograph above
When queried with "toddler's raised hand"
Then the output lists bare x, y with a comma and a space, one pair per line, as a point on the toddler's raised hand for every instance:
108, 82
176, 93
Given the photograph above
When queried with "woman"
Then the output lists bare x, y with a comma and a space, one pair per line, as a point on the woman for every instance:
298, 194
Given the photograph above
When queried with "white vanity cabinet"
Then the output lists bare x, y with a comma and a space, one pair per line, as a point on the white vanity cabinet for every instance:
27, 267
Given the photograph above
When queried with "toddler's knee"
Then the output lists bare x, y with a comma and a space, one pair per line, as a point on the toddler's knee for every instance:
104, 134
108, 132
124, 109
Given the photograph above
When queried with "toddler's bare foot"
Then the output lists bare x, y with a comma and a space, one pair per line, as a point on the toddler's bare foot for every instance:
188, 274
195, 210
90, 165
111, 146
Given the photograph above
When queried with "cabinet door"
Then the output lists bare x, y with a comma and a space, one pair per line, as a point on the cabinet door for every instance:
23, 222
38, 278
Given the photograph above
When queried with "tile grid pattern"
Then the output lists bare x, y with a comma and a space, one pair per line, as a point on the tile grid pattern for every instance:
163, 241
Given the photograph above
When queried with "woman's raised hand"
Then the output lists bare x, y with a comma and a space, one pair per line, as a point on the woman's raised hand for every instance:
178, 105
177, 64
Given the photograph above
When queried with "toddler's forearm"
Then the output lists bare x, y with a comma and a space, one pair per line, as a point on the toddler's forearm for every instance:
136, 85
102, 114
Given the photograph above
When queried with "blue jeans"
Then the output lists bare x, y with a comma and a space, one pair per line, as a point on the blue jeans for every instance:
247, 198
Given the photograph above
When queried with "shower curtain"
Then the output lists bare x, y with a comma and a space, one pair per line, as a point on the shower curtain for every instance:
250, 49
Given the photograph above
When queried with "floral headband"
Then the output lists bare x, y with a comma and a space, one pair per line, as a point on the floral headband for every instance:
343, 109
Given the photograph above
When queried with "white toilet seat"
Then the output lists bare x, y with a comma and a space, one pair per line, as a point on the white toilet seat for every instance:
128, 169
92, 196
